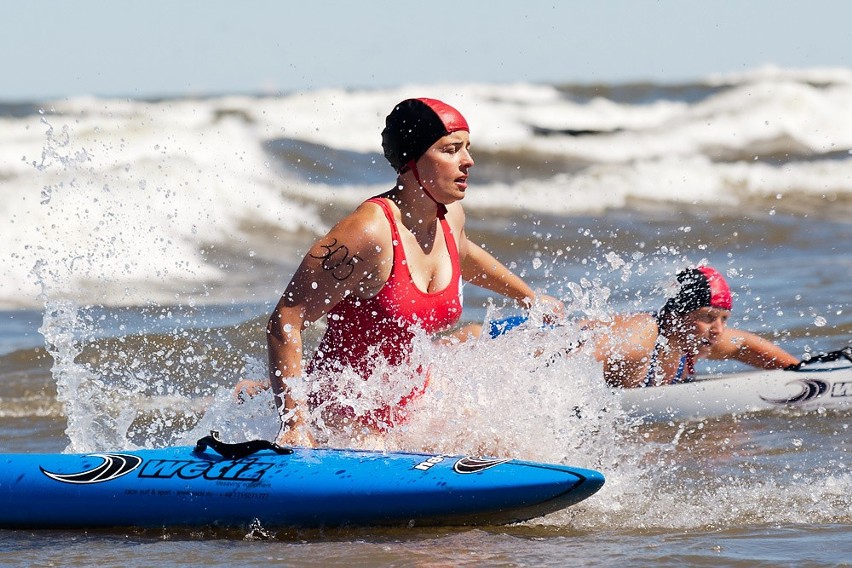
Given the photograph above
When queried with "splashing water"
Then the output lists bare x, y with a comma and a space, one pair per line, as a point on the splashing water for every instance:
523, 395
79, 390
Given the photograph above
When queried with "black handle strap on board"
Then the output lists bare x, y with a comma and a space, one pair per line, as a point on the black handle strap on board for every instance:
237, 450
826, 357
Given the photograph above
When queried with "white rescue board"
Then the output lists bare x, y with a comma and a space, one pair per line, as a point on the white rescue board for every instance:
823, 383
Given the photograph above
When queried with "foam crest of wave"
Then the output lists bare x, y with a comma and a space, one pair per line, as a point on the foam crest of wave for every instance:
127, 201
119, 197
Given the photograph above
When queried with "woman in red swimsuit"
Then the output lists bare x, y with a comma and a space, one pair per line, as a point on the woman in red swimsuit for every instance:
394, 263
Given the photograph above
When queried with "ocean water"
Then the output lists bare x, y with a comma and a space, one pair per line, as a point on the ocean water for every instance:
145, 242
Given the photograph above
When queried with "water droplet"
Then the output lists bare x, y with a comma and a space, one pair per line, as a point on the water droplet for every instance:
820, 321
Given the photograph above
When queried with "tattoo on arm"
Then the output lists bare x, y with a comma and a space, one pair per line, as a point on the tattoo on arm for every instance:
337, 261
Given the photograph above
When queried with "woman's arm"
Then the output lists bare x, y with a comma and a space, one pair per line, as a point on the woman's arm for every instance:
284, 342
348, 260
479, 267
750, 349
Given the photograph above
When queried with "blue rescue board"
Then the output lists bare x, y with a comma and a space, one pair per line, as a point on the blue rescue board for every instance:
238, 483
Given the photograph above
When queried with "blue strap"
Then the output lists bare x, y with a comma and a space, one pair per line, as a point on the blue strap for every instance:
651, 377
678, 378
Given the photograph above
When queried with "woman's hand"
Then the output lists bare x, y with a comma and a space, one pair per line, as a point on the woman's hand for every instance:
294, 431
552, 308
249, 388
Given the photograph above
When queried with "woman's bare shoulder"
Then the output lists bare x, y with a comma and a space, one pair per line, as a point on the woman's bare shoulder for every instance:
364, 227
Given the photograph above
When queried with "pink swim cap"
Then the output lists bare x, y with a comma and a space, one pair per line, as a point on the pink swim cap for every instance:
700, 287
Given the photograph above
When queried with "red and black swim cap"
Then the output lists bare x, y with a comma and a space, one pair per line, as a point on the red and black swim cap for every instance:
414, 125
699, 287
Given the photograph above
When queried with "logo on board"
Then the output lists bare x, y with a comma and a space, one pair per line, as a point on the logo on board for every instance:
112, 467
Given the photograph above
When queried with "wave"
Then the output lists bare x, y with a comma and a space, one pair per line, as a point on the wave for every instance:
198, 199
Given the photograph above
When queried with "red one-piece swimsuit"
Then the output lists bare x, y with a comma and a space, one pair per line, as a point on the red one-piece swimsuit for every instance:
359, 330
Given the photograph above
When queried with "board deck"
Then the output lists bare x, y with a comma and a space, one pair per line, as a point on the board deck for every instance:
193, 486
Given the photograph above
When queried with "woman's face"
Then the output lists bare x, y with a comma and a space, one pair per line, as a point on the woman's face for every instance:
703, 327
443, 167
